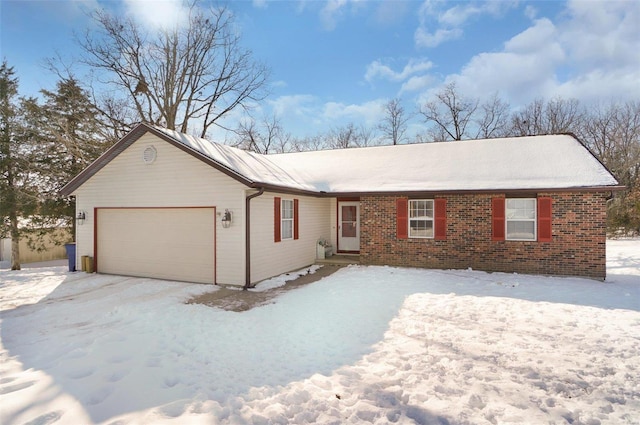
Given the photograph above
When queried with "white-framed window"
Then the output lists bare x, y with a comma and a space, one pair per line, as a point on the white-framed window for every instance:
520, 214
421, 218
287, 219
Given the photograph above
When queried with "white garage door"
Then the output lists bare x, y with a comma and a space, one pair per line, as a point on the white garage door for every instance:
163, 243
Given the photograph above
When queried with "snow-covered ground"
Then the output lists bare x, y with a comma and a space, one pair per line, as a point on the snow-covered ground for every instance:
364, 345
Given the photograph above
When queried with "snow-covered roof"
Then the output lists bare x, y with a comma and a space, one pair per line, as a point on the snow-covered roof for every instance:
507, 164
251, 166
515, 163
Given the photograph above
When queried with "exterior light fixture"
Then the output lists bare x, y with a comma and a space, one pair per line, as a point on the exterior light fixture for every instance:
226, 219
81, 217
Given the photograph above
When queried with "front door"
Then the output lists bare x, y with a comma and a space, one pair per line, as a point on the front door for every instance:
349, 226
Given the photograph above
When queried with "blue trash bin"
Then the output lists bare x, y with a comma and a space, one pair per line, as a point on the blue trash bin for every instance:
71, 255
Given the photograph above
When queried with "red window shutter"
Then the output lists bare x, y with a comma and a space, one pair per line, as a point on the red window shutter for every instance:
277, 220
544, 220
497, 219
296, 234
402, 218
440, 206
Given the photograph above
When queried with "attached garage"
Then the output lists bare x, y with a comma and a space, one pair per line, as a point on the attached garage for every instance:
162, 243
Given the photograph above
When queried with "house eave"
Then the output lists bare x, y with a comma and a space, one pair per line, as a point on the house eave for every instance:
428, 192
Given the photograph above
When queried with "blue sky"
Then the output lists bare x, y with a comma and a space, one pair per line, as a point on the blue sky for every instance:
339, 61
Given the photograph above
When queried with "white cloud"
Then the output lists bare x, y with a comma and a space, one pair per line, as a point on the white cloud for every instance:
473, 9
438, 26
525, 69
391, 12
369, 112
589, 52
334, 10
260, 4
296, 105
520, 77
377, 69
533, 39
310, 115
531, 12
331, 12
155, 14
423, 38
415, 84
458, 15
603, 34
599, 84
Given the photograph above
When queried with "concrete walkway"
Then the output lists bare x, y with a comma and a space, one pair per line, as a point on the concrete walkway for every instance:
235, 299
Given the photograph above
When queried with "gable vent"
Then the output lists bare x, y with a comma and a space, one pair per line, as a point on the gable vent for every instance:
149, 155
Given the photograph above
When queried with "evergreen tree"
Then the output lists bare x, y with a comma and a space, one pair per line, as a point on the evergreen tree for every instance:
69, 141
42, 147
18, 194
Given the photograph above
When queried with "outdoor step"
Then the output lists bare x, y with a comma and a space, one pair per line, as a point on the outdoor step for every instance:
340, 259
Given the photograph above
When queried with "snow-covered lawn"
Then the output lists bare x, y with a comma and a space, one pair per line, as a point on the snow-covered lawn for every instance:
364, 345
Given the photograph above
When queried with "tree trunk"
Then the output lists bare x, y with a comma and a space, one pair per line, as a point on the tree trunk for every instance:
15, 242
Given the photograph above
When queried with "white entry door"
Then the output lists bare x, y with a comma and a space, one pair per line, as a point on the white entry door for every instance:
349, 226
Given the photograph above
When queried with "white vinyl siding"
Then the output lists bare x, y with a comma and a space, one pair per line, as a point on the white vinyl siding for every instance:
174, 179
520, 217
269, 258
421, 218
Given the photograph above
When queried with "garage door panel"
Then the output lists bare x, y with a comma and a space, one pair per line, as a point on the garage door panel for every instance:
171, 243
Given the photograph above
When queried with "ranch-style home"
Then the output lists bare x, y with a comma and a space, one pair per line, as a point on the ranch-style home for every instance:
167, 205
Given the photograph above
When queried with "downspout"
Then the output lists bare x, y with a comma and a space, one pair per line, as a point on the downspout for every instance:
247, 239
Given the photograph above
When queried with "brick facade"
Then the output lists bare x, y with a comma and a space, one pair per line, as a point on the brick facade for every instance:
578, 246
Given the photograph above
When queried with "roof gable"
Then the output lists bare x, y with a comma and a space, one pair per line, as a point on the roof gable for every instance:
516, 163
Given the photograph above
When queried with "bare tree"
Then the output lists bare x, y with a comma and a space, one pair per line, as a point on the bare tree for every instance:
249, 138
183, 77
394, 123
264, 137
613, 134
115, 114
563, 115
422, 137
350, 136
632, 204
528, 121
310, 143
628, 135
598, 131
343, 137
494, 118
366, 136
450, 114
553, 117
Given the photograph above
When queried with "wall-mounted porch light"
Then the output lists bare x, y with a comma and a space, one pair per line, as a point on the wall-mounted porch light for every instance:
226, 219
81, 217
